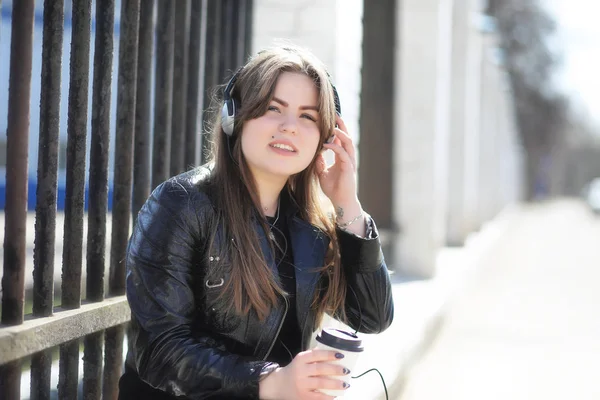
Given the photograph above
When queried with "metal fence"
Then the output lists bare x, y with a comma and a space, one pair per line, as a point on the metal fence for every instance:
193, 45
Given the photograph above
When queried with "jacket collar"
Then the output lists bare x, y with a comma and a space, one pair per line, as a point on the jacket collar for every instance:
309, 242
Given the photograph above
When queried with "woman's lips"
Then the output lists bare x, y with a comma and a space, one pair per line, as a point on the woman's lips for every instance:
283, 150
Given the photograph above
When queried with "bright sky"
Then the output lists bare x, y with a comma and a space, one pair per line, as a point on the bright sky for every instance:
579, 39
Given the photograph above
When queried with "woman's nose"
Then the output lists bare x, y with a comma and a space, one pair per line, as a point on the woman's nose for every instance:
288, 125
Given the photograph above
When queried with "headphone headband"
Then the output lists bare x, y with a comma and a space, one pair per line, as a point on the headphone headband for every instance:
230, 105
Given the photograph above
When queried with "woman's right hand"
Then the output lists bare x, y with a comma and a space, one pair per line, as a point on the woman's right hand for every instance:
309, 371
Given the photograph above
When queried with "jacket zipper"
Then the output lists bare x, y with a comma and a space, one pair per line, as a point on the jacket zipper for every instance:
278, 328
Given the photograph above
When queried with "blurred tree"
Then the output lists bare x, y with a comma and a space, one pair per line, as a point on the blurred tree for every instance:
525, 30
583, 154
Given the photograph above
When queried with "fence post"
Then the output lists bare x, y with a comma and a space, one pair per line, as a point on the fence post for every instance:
180, 72
47, 186
98, 189
123, 179
195, 84
163, 91
74, 198
211, 68
143, 103
15, 212
99, 154
17, 158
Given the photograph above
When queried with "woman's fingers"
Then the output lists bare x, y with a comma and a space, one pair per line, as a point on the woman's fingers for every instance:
342, 145
341, 153
326, 384
313, 356
341, 132
313, 370
326, 369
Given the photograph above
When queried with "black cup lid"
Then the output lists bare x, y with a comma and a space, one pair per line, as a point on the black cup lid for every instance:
341, 340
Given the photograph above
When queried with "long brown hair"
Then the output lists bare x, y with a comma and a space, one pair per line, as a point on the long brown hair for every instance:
251, 284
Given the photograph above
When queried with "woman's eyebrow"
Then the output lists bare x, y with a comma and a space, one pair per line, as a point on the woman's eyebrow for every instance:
285, 104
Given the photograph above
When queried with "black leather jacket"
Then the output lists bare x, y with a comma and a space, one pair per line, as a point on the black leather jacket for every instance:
181, 341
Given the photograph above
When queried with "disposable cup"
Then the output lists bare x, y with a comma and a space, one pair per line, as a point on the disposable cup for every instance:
343, 342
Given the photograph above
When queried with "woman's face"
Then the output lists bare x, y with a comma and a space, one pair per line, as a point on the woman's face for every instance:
283, 141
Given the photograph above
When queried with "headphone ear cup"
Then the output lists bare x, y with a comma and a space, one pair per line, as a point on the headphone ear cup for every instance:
228, 117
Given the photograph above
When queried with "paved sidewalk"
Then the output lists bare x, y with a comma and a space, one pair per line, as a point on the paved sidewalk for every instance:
419, 310
527, 325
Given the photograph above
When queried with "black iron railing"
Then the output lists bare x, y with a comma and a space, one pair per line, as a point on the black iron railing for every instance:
193, 45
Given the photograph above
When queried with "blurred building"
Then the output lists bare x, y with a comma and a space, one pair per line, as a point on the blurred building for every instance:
439, 151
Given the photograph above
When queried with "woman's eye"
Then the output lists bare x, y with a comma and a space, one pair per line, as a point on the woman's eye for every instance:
273, 108
310, 117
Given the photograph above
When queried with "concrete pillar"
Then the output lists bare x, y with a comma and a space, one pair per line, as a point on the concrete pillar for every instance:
346, 67
471, 190
516, 151
503, 161
459, 115
422, 106
488, 146
512, 170
498, 143
508, 159
375, 173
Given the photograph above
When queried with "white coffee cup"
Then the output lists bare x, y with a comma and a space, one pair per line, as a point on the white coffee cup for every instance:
343, 342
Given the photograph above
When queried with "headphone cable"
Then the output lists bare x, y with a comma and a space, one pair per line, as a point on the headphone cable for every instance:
381, 376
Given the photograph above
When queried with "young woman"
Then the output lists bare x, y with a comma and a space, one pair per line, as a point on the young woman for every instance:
232, 265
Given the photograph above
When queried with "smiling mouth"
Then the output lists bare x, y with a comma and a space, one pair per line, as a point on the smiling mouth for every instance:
283, 147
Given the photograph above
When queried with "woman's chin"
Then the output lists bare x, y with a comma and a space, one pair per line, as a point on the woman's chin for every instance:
283, 171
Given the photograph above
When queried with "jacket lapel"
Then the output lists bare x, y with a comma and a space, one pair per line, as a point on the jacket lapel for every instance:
309, 245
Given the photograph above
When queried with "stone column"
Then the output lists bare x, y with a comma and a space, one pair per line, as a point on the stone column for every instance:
459, 115
506, 163
490, 153
472, 126
375, 173
511, 168
422, 108
516, 151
